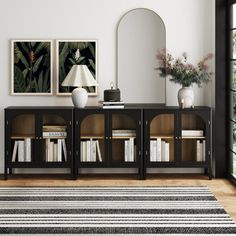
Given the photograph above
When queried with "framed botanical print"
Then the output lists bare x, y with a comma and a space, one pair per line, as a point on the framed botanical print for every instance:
31, 67
75, 52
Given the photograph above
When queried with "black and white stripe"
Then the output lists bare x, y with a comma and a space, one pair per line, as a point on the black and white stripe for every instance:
112, 210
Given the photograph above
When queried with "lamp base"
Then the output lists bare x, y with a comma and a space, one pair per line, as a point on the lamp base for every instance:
79, 97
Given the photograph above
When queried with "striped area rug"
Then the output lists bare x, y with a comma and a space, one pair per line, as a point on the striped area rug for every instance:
112, 210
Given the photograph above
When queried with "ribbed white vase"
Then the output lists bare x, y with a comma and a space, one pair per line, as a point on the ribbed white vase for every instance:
186, 97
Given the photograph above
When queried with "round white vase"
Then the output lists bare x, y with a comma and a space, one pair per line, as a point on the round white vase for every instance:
79, 97
186, 97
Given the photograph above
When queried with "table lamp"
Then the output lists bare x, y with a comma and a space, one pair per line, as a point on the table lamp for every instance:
79, 76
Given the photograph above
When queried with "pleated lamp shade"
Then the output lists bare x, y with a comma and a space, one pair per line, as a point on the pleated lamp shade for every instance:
79, 76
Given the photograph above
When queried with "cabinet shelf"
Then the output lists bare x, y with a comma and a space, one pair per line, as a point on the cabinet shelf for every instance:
22, 136
162, 136
91, 136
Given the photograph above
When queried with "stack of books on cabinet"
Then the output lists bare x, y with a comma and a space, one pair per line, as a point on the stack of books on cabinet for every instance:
159, 150
22, 150
200, 143
90, 151
55, 143
112, 105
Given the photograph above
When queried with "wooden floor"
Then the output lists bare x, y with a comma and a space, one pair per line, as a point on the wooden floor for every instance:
223, 190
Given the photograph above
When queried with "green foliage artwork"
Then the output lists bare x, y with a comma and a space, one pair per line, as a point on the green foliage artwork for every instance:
31, 70
75, 53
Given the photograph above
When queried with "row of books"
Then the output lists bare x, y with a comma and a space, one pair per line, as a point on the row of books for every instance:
129, 150
55, 151
123, 133
201, 150
159, 150
112, 105
54, 131
22, 150
90, 151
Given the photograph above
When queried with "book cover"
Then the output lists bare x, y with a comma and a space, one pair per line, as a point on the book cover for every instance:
21, 151
54, 134
98, 151
93, 150
55, 156
186, 133
13, 159
204, 150
64, 149
131, 150
126, 143
59, 150
167, 152
88, 152
163, 151
198, 151
27, 149
159, 149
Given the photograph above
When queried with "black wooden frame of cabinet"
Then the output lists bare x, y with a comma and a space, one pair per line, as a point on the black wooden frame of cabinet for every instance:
142, 114
37, 162
204, 113
81, 114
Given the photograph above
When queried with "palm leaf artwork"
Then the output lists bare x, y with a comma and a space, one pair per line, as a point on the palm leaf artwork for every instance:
68, 56
32, 66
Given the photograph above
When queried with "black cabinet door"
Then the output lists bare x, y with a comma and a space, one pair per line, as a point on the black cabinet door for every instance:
160, 139
194, 137
91, 138
20, 129
54, 137
124, 137
25, 141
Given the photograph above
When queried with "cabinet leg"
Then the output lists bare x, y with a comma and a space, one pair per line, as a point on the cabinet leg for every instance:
5, 174
10, 171
210, 173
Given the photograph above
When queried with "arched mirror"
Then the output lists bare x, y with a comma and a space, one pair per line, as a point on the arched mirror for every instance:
140, 34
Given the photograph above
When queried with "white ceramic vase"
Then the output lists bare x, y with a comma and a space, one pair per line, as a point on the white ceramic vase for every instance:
186, 97
79, 97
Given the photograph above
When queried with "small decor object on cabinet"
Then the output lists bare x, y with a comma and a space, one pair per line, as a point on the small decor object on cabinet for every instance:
185, 74
31, 67
112, 98
71, 53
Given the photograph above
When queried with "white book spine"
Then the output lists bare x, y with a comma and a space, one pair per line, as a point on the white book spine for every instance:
27, 148
201, 154
93, 151
98, 151
51, 150
151, 151
204, 150
198, 151
167, 152
88, 150
85, 151
131, 144
55, 156
21, 151
163, 150
64, 149
47, 150
59, 150
81, 151
154, 150
13, 159
158, 149
126, 150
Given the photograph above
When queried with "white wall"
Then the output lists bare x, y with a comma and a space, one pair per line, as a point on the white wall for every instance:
189, 26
